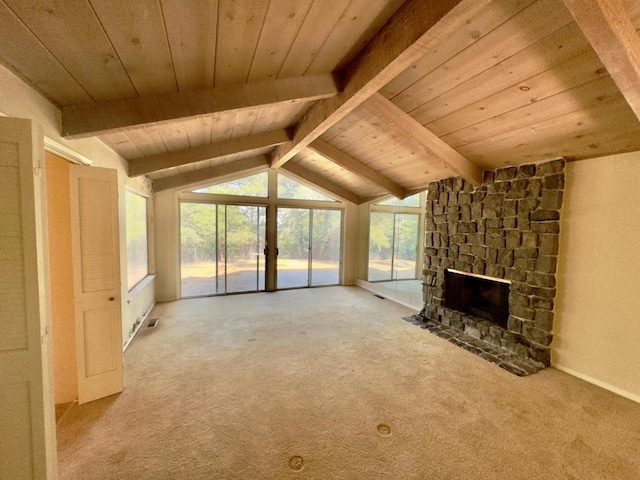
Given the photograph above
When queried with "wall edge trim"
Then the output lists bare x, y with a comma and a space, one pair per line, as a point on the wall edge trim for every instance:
599, 383
135, 332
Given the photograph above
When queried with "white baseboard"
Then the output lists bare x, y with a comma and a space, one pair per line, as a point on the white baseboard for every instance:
403, 300
144, 318
599, 383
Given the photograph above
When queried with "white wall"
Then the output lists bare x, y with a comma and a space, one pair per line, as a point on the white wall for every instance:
139, 302
167, 246
597, 323
350, 245
17, 99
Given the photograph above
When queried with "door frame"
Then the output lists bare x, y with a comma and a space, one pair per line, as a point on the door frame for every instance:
310, 255
394, 243
419, 211
26, 358
191, 200
272, 203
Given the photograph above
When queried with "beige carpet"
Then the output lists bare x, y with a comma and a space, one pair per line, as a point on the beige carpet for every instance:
331, 384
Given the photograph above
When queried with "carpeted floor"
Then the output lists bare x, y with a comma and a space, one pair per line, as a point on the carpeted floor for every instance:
332, 384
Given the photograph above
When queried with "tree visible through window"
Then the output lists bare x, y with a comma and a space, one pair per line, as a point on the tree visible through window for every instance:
221, 248
137, 244
393, 239
310, 247
223, 239
251, 186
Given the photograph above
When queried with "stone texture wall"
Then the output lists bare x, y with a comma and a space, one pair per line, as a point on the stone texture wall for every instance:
508, 228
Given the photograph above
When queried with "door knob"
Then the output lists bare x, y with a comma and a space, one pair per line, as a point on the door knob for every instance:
111, 299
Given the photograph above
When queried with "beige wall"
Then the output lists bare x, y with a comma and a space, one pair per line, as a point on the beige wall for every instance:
19, 100
61, 280
167, 246
597, 326
350, 260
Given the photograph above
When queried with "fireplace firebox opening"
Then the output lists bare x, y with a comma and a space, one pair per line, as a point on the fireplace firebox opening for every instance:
477, 295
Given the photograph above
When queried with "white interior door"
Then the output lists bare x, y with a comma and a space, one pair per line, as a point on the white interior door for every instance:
27, 418
96, 267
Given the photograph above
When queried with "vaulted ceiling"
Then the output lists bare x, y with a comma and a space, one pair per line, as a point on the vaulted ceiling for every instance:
365, 98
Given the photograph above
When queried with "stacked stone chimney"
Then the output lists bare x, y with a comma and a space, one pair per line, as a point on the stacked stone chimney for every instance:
507, 228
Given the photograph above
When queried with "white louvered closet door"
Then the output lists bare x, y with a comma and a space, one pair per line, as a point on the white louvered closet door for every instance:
96, 267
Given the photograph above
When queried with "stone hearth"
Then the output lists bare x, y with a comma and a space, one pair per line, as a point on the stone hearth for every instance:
507, 228
504, 359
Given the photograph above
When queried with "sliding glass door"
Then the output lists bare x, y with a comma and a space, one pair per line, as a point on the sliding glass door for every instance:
326, 243
393, 246
221, 248
293, 247
309, 247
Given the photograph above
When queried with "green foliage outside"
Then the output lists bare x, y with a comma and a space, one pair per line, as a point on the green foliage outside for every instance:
381, 236
241, 228
245, 231
393, 241
293, 233
197, 232
252, 186
407, 236
327, 230
136, 233
245, 225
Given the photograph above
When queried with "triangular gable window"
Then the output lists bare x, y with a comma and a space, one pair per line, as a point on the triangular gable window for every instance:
412, 201
290, 188
252, 186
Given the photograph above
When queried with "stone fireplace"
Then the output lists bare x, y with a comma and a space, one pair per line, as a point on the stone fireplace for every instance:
491, 255
477, 295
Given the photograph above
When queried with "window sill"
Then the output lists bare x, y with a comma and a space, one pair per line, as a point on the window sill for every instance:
141, 285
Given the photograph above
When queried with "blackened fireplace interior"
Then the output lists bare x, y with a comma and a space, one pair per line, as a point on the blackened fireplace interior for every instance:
476, 295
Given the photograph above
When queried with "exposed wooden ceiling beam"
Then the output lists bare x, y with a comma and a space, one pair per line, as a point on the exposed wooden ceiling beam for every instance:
351, 164
406, 126
372, 199
322, 182
608, 27
122, 114
415, 27
162, 161
416, 190
246, 165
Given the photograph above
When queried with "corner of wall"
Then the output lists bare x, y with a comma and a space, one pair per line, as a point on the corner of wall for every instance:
596, 328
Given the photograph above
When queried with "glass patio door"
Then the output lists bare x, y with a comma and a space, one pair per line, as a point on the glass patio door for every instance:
393, 243
221, 248
405, 249
309, 244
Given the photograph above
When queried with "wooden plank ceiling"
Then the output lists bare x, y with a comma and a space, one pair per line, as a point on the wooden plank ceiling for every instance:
365, 98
